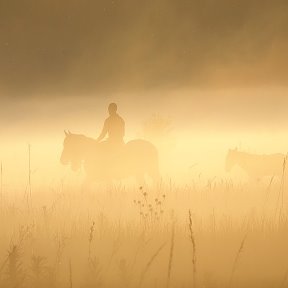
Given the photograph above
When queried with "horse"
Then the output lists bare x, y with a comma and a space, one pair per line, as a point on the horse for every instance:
106, 162
256, 166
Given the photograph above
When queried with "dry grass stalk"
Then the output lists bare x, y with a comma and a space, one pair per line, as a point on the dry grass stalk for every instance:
29, 167
94, 272
92, 228
269, 187
39, 271
28, 190
284, 280
283, 182
15, 274
13, 260
171, 255
59, 253
193, 242
140, 247
150, 210
1, 185
4, 264
280, 200
70, 274
115, 249
124, 271
236, 260
149, 263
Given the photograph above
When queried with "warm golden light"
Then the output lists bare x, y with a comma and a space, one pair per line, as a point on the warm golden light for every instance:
143, 144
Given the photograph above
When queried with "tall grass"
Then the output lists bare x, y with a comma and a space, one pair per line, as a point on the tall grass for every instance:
70, 275
149, 263
1, 186
92, 228
171, 254
128, 247
14, 274
39, 271
280, 201
236, 261
193, 242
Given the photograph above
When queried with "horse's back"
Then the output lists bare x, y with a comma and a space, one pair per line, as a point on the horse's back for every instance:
265, 165
135, 158
141, 150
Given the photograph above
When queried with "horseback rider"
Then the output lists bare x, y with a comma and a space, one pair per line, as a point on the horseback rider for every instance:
114, 126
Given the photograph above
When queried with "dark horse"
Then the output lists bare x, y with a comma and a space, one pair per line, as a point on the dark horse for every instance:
104, 162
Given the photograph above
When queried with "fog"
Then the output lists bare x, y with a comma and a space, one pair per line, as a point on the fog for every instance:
56, 217
201, 126
49, 49
201, 200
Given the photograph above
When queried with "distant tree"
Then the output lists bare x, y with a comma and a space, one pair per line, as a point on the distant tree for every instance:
159, 130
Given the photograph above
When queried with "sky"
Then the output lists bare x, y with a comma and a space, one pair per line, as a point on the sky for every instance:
69, 48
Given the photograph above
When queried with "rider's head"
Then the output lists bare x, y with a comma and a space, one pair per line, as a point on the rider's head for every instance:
112, 108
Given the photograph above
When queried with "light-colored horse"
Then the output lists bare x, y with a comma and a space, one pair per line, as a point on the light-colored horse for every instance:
106, 162
256, 166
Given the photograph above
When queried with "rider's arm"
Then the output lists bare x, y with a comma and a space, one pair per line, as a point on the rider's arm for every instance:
104, 131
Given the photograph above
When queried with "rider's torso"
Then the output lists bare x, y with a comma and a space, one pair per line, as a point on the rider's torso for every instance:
115, 127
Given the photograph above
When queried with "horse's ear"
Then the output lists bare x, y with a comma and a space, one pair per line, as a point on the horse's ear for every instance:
66, 134
69, 132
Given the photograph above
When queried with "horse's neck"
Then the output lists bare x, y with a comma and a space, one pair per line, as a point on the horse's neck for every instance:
89, 141
252, 164
87, 144
90, 144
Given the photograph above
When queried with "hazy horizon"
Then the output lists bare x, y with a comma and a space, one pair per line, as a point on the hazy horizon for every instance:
204, 125
199, 200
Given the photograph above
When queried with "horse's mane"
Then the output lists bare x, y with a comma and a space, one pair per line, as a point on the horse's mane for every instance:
82, 137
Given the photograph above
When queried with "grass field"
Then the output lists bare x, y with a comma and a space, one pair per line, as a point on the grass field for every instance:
215, 233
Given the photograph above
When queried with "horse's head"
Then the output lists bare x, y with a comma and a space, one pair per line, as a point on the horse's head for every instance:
72, 151
230, 159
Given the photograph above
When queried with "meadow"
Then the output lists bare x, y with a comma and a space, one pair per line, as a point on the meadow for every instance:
216, 232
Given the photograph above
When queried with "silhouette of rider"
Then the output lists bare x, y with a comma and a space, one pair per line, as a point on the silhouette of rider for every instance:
114, 126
